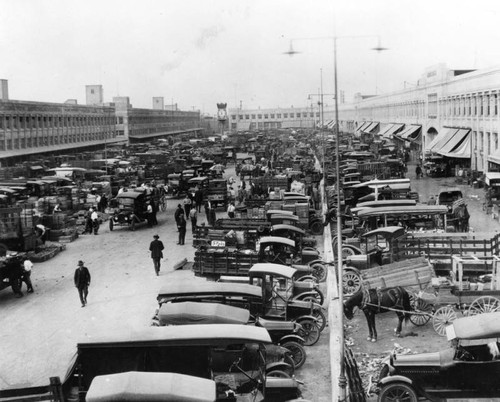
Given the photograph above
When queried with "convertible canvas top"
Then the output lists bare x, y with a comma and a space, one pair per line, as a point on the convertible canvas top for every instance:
189, 313
394, 231
201, 334
135, 386
129, 194
287, 227
277, 239
272, 269
420, 209
480, 326
279, 212
206, 287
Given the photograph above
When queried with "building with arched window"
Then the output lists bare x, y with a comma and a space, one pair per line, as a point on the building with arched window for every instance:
449, 113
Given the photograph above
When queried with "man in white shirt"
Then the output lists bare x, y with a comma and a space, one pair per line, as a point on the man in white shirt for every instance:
94, 216
230, 210
28, 265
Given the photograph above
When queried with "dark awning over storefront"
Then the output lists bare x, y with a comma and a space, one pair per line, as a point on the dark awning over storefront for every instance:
495, 157
363, 126
370, 128
393, 130
458, 146
442, 139
385, 128
411, 133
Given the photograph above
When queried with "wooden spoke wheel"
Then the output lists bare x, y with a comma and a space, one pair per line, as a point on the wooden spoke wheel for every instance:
423, 311
484, 304
351, 282
443, 317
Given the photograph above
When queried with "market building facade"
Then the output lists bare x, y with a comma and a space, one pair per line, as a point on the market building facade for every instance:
30, 128
453, 114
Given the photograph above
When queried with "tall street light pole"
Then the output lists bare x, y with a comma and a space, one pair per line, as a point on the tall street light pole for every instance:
342, 382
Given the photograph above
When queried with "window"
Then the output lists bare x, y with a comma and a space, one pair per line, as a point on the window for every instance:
92, 91
266, 116
259, 116
311, 114
240, 117
253, 117
285, 115
233, 116
272, 116
317, 114
247, 117
292, 115
495, 141
278, 115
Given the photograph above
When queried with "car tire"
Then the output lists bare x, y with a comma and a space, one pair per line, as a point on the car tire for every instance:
397, 391
297, 353
320, 271
309, 332
111, 225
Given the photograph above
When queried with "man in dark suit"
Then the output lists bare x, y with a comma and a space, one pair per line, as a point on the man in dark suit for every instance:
82, 282
156, 248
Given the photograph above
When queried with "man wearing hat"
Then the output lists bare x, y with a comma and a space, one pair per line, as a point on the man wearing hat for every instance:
82, 282
156, 248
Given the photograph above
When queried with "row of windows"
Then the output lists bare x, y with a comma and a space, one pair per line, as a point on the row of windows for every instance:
276, 116
40, 141
470, 105
8, 122
467, 105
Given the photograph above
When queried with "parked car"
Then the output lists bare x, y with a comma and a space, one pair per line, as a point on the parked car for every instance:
284, 334
468, 370
130, 209
231, 355
135, 386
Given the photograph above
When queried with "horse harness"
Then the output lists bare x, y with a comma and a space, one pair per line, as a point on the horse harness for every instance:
367, 299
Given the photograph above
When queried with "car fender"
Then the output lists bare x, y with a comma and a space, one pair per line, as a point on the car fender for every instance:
395, 378
305, 294
306, 317
317, 261
282, 366
292, 338
357, 271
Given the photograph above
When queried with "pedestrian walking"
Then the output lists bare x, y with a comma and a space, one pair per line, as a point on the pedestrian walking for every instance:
149, 214
181, 226
95, 221
187, 204
193, 216
230, 210
418, 171
198, 199
27, 267
156, 248
177, 213
82, 282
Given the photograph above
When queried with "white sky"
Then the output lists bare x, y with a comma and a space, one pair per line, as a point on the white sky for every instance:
200, 52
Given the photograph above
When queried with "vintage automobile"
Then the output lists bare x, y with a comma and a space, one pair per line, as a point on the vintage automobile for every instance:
132, 386
244, 295
469, 370
293, 233
218, 259
130, 209
231, 355
284, 334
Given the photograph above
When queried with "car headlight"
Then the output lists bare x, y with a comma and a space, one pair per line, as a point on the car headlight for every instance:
126, 218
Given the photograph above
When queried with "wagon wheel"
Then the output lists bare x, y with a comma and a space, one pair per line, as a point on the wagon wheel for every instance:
484, 304
351, 282
420, 306
443, 317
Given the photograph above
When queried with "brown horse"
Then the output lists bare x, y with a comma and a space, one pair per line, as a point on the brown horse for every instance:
373, 301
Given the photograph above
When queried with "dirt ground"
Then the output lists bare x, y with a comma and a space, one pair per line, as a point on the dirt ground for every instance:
39, 332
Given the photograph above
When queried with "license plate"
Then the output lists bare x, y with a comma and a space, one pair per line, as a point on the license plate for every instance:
218, 243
